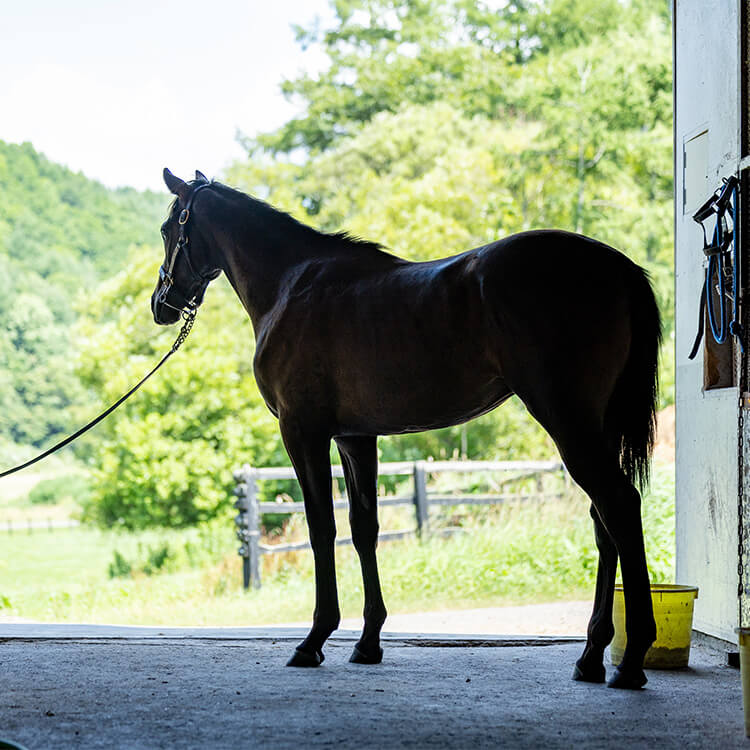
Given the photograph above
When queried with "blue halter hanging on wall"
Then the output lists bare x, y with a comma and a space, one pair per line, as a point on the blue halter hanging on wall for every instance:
723, 263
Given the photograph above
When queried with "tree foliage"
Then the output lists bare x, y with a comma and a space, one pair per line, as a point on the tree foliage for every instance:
442, 124
59, 233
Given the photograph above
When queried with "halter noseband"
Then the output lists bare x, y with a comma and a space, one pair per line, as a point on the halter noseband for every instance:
165, 274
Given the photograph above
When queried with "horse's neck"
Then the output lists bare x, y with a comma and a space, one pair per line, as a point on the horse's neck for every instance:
258, 264
265, 250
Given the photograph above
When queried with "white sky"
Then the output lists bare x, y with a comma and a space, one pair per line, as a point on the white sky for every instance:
119, 90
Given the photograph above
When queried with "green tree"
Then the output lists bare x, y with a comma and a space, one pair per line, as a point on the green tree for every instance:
468, 53
59, 233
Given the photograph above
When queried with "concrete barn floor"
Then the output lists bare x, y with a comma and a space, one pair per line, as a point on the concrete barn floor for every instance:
109, 687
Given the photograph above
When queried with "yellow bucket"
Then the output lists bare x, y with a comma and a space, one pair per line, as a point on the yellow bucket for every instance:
673, 612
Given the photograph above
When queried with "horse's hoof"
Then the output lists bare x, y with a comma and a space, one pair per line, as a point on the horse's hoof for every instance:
305, 659
595, 673
360, 657
628, 680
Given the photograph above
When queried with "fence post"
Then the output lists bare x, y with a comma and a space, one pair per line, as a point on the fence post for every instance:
254, 524
248, 525
420, 496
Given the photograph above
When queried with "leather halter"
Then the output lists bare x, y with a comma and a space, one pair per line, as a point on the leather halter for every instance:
166, 273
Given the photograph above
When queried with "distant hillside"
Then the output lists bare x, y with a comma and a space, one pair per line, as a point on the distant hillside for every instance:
60, 233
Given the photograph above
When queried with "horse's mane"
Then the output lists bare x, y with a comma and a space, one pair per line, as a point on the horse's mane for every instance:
286, 222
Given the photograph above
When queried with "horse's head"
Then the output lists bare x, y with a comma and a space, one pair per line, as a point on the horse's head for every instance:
189, 260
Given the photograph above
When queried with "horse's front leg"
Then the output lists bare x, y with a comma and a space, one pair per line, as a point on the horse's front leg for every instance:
360, 462
309, 452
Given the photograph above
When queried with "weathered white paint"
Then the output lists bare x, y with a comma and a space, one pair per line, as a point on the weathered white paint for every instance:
707, 98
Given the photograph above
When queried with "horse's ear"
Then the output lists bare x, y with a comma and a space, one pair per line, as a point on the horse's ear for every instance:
200, 176
175, 184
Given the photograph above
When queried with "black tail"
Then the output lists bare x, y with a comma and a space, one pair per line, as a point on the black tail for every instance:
631, 412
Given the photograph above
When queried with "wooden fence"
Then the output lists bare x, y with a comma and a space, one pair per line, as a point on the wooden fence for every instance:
251, 509
29, 525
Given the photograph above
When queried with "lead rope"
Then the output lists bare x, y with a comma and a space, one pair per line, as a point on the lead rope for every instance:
188, 317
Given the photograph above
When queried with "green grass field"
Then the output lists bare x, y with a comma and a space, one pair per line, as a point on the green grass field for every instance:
510, 555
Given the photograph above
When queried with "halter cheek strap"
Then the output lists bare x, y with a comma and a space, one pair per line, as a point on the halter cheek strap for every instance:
165, 274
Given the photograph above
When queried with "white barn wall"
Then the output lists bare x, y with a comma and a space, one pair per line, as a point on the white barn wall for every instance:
707, 95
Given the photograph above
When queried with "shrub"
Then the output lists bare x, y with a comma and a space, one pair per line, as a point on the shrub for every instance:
157, 558
119, 567
71, 488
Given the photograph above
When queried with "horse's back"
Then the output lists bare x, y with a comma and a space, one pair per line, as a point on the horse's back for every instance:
551, 256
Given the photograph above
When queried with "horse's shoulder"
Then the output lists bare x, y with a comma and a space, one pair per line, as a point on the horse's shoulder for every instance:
300, 295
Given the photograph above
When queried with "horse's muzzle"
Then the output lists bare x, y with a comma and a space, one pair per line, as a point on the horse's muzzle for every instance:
163, 315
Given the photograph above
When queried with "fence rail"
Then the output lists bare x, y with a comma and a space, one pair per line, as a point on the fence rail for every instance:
49, 524
251, 509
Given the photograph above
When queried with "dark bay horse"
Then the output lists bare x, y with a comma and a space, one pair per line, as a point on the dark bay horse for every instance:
352, 343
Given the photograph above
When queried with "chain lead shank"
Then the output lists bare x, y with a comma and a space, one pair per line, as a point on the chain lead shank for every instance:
189, 320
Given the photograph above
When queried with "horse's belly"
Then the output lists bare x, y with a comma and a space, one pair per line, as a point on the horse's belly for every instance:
413, 405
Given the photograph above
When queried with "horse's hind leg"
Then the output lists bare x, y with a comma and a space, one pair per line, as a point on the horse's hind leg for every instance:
618, 506
360, 461
622, 519
309, 454
591, 458
590, 667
